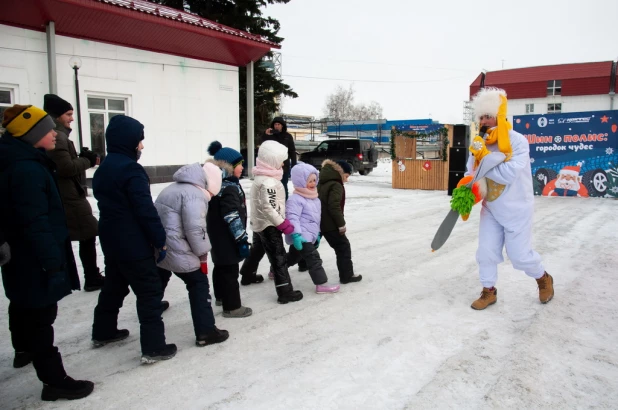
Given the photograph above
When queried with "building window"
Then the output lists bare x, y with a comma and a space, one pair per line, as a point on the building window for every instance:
529, 108
7, 99
554, 87
100, 111
554, 108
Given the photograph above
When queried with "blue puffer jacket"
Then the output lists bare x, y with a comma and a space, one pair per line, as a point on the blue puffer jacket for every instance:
129, 226
42, 267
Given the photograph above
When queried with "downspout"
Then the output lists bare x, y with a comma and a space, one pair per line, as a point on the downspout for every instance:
612, 85
51, 57
250, 120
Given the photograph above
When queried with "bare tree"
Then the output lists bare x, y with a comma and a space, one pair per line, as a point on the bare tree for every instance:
340, 107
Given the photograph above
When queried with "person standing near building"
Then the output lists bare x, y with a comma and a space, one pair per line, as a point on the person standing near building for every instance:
131, 235
278, 132
507, 212
71, 181
41, 270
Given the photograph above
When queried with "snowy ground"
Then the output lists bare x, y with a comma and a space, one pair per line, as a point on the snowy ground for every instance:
404, 337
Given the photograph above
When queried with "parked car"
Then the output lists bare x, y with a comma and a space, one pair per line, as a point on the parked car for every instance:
362, 155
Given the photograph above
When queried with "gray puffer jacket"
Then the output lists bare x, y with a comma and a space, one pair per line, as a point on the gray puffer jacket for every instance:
182, 207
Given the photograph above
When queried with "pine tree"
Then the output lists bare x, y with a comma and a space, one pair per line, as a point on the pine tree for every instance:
246, 15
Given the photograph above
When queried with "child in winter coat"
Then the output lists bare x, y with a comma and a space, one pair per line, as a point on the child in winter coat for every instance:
268, 220
303, 210
332, 196
182, 207
227, 221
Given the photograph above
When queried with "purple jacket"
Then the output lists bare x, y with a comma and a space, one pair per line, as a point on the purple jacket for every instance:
303, 213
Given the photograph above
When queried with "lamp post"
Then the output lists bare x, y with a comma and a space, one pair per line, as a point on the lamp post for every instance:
76, 63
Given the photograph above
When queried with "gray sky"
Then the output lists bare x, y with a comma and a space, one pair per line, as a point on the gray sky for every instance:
418, 58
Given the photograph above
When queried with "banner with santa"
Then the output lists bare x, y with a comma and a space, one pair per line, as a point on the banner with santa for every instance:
572, 154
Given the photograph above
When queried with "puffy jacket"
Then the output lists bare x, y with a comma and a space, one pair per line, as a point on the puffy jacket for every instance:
303, 213
332, 196
129, 227
42, 267
70, 173
182, 207
286, 139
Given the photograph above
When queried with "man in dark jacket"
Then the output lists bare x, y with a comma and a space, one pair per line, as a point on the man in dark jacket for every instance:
42, 269
70, 173
278, 131
130, 231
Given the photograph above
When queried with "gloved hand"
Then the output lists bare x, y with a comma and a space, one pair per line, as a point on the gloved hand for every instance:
204, 263
243, 248
298, 241
89, 155
162, 254
464, 198
5, 253
317, 241
342, 230
286, 227
478, 148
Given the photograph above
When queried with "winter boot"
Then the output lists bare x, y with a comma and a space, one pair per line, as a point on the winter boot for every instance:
166, 353
546, 287
67, 389
488, 297
164, 305
121, 334
292, 296
326, 288
250, 279
94, 282
218, 302
22, 359
240, 312
351, 279
212, 337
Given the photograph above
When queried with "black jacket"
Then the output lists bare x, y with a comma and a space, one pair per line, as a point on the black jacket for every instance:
129, 226
286, 139
227, 222
42, 267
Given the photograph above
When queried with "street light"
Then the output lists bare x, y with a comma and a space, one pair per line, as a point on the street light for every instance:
75, 63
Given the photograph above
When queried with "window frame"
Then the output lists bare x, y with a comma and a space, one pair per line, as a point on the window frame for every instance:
554, 88
554, 108
105, 112
12, 89
530, 108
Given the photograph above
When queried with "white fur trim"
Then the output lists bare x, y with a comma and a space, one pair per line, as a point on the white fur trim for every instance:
482, 187
487, 102
568, 172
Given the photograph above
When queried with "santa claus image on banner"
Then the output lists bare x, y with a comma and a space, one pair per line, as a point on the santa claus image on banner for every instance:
568, 183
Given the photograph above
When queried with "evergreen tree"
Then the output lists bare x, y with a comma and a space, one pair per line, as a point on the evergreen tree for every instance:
246, 15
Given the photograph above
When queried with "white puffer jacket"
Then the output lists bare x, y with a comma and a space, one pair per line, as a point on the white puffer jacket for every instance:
267, 193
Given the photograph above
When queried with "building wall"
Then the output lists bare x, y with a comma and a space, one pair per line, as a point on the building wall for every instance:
569, 104
183, 103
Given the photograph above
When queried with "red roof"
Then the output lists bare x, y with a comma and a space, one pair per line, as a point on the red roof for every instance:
139, 24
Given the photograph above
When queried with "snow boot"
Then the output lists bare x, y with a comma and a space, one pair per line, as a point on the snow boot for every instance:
351, 279
292, 296
67, 389
546, 288
326, 288
121, 334
488, 297
94, 282
248, 280
164, 305
166, 353
240, 312
214, 336
22, 359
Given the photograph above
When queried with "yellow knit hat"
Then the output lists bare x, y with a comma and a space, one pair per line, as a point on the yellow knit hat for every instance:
27, 122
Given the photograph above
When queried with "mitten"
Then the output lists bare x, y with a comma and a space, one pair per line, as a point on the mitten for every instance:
464, 198
478, 148
204, 263
89, 155
342, 230
317, 241
286, 227
298, 241
162, 254
5, 253
243, 248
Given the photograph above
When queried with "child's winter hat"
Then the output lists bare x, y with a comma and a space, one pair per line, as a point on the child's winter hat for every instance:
213, 178
301, 172
229, 155
27, 122
273, 153
347, 168
56, 106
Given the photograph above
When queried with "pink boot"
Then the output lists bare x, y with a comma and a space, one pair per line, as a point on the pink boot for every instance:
271, 275
326, 288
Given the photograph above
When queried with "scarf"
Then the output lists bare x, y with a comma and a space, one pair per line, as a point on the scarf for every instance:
306, 192
262, 168
500, 134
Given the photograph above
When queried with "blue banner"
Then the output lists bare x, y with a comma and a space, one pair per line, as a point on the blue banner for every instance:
572, 154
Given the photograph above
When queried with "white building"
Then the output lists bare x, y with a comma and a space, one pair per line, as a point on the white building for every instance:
174, 72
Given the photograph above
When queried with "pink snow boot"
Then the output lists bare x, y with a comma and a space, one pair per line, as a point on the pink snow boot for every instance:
326, 288
271, 275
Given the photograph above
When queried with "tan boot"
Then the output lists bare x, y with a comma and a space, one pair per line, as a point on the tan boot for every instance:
546, 288
488, 297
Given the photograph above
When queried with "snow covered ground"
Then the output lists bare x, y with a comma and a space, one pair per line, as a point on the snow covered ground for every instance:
403, 338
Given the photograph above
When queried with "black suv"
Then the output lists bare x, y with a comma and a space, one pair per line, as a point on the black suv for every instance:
362, 155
